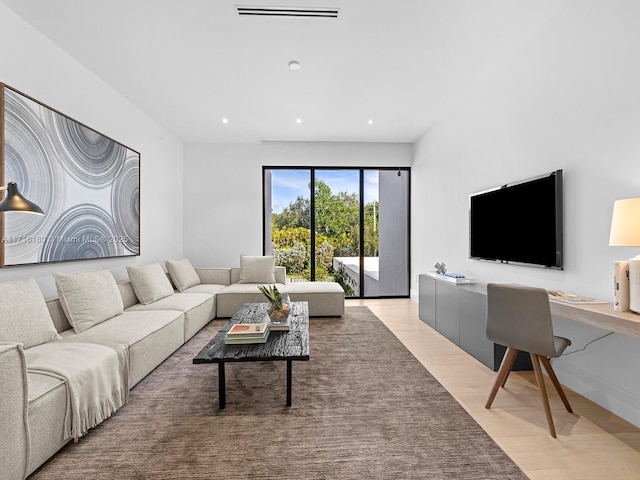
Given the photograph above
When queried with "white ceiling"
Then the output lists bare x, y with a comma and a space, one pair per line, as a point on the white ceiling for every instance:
190, 63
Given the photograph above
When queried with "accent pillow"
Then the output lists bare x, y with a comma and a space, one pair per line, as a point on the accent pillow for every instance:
182, 274
257, 269
24, 316
149, 282
89, 297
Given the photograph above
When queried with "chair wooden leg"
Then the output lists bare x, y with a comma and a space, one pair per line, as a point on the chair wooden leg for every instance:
510, 361
552, 375
504, 380
535, 361
505, 367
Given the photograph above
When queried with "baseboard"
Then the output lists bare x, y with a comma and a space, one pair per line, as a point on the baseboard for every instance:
413, 294
611, 396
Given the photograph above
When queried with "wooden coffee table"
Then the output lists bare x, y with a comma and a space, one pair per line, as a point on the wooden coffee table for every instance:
287, 346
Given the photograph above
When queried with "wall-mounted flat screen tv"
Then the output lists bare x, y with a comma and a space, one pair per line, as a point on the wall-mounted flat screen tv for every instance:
519, 223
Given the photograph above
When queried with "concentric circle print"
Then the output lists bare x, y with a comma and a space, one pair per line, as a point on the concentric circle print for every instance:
90, 158
30, 162
86, 183
83, 231
125, 204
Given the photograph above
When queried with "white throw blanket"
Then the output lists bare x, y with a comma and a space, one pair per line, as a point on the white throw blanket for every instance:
96, 377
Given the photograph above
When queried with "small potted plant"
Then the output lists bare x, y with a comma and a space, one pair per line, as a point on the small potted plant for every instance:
279, 305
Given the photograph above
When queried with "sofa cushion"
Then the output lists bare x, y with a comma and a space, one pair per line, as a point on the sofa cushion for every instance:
257, 269
247, 289
151, 337
89, 297
24, 316
182, 274
198, 308
181, 302
209, 288
215, 276
149, 282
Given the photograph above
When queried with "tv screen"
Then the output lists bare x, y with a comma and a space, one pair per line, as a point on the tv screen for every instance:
519, 223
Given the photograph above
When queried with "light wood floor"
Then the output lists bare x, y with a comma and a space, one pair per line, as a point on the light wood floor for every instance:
592, 443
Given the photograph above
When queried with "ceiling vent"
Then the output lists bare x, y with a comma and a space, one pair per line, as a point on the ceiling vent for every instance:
308, 12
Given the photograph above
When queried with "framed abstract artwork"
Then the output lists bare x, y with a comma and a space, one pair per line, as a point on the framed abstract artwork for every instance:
87, 184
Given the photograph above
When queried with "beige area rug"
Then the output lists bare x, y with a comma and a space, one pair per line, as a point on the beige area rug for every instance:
363, 408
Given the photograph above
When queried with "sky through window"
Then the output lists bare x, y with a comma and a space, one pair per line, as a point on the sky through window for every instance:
287, 185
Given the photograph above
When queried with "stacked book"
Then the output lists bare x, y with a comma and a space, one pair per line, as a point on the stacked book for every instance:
242, 333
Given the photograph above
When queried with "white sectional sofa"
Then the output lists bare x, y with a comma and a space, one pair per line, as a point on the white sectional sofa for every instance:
33, 403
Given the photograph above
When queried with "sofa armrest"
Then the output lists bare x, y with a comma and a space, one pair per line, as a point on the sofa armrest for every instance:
14, 440
214, 276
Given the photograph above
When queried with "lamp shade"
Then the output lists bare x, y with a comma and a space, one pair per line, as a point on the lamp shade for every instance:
14, 202
625, 223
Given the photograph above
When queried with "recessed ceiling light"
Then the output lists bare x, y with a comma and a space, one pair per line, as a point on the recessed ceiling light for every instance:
370, 122
294, 65
298, 121
225, 120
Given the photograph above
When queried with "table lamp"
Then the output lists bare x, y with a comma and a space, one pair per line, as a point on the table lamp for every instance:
625, 232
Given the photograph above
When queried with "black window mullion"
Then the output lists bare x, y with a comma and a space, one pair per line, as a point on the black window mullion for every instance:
312, 226
361, 246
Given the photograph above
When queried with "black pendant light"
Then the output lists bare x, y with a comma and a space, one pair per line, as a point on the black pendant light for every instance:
14, 202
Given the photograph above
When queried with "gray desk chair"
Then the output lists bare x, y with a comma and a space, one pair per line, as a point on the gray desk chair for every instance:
520, 319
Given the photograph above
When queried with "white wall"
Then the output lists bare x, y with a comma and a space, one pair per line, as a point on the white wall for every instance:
568, 98
32, 64
223, 197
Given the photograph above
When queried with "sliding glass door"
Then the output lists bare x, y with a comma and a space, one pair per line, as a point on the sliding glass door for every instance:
386, 237
287, 220
360, 223
337, 226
